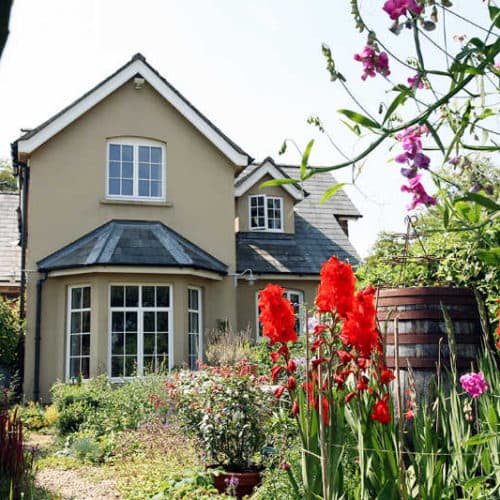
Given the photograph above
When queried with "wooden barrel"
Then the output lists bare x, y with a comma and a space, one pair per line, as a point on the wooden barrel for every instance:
423, 336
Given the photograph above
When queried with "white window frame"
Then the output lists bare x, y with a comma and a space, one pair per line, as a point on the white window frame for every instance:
136, 143
288, 292
266, 215
69, 310
198, 311
140, 327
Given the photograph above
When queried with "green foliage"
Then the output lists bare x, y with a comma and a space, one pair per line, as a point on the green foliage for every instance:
36, 417
196, 484
9, 332
7, 181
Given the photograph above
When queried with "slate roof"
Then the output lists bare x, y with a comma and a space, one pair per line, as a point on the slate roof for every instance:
132, 243
317, 236
10, 251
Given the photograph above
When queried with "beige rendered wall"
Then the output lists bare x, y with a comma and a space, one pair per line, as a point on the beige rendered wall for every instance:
67, 189
242, 210
246, 297
215, 296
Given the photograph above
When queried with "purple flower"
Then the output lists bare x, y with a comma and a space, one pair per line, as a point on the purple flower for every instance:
474, 384
409, 173
373, 63
421, 160
396, 8
415, 81
420, 196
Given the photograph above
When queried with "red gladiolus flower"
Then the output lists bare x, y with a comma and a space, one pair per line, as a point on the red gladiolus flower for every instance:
277, 315
319, 329
409, 414
292, 366
324, 402
316, 362
317, 344
386, 376
349, 397
291, 383
362, 384
295, 408
359, 330
278, 392
275, 356
336, 289
344, 356
275, 372
381, 411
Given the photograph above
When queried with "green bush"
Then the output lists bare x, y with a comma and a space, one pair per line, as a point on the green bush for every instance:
9, 332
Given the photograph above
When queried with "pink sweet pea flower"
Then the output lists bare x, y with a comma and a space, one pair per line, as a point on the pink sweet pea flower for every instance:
373, 63
415, 81
474, 384
420, 196
396, 8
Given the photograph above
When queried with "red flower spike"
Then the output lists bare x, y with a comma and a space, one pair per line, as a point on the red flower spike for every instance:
362, 383
291, 366
336, 288
277, 315
295, 408
409, 414
275, 356
381, 411
324, 402
291, 383
344, 356
275, 372
315, 362
349, 397
386, 376
319, 329
278, 392
317, 344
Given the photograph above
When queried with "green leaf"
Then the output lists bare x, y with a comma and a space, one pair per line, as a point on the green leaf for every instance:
490, 256
479, 439
435, 135
466, 211
278, 182
353, 128
359, 118
305, 159
484, 201
446, 216
471, 483
473, 147
494, 15
400, 99
331, 191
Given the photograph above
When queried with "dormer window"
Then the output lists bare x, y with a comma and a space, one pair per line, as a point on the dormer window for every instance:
266, 213
135, 169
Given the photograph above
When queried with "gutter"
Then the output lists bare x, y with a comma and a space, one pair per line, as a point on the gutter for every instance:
38, 336
22, 171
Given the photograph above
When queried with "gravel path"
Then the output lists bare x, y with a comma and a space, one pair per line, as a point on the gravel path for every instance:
72, 484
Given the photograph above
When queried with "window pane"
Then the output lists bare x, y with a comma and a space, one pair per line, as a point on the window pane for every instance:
155, 155
85, 372
131, 343
144, 171
114, 152
132, 296
130, 366
114, 186
162, 296
127, 170
144, 154
162, 343
193, 299
75, 345
114, 169
117, 322
156, 188
76, 322
127, 153
131, 321
143, 188
86, 322
148, 296
74, 367
76, 298
127, 188
149, 321
162, 321
156, 172
117, 296
149, 343
86, 345
117, 366
86, 297
117, 343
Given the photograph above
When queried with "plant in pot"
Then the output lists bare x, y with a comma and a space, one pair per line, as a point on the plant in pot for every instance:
228, 412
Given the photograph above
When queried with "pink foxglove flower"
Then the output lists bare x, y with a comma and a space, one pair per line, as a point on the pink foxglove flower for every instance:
474, 384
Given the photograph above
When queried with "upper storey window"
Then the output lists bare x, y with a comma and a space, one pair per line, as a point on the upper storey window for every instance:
136, 169
266, 213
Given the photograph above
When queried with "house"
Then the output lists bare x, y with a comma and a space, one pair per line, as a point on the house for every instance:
146, 226
10, 253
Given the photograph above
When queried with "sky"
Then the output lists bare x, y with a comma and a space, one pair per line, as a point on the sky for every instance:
255, 69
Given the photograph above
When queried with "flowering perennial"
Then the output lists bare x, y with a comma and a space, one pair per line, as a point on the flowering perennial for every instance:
420, 196
397, 8
474, 384
373, 62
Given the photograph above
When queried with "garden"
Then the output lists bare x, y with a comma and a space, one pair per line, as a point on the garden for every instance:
337, 411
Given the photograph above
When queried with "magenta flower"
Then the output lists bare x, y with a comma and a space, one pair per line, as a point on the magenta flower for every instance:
474, 384
396, 8
415, 81
420, 196
421, 160
373, 62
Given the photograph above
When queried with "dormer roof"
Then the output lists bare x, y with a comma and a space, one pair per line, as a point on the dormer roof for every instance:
254, 174
137, 66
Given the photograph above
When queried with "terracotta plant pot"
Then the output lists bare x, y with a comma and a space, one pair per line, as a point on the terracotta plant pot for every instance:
246, 482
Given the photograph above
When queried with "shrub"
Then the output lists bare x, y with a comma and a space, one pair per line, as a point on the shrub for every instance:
9, 332
227, 348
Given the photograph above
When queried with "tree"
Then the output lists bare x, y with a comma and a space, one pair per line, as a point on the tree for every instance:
7, 181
